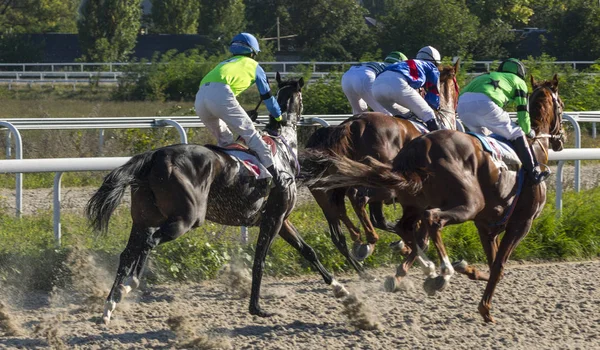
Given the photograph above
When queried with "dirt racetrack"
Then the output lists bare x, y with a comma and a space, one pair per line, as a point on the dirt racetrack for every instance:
545, 306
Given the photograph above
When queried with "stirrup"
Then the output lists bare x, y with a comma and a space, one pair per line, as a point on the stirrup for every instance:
540, 176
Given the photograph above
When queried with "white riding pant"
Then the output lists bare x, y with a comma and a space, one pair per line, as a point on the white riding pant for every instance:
392, 90
356, 84
478, 112
219, 110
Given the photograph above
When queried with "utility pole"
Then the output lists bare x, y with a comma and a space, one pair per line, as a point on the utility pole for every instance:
278, 36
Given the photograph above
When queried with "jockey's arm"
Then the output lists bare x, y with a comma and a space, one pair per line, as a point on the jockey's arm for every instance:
520, 100
265, 93
432, 88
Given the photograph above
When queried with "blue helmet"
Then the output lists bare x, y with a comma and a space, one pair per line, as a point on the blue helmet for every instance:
244, 43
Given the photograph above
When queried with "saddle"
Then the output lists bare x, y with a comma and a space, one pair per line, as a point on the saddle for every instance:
418, 123
247, 158
501, 150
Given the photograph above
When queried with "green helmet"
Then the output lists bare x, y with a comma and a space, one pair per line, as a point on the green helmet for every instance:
514, 66
395, 57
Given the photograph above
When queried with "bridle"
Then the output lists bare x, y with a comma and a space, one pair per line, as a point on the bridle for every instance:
556, 133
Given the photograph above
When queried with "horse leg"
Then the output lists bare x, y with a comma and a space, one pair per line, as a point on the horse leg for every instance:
515, 231
332, 205
291, 235
127, 260
362, 251
489, 242
270, 225
377, 218
405, 228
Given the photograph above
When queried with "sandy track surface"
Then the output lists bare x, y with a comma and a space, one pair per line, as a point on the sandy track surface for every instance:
547, 306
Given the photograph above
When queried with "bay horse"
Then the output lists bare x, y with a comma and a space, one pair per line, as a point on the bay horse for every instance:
445, 178
176, 188
379, 136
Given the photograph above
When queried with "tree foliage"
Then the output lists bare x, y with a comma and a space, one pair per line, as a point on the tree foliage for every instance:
108, 29
446, 25
221, 19
38, 16
175, 16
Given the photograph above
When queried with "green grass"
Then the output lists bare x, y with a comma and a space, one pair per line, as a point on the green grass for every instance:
28, 255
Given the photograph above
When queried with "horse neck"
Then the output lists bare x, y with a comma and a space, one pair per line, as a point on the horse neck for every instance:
448, 104
290, 136
540, 147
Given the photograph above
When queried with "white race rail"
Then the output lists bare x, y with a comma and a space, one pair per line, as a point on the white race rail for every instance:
566, 155
58, 166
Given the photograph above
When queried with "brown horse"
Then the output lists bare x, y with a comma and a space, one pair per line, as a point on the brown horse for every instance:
446, 178
381, 137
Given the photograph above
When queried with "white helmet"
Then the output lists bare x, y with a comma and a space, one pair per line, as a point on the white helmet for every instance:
429, 53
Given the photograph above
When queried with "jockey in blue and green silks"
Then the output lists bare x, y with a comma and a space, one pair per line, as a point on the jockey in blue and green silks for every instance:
218, 108
481, 103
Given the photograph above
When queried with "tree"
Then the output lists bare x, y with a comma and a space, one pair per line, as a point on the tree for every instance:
513, 12
221, 19
108, 29
446, 25
38, 16
175, 16
331, 30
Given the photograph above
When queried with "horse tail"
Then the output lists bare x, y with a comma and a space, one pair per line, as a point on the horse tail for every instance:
346, 172
106, 199
333, 140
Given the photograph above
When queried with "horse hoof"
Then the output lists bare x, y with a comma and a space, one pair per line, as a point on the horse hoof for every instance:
485, 313
109, 307
400, 247
362, 251
435, 284
460, 266
390, 284
260, 313
339, 291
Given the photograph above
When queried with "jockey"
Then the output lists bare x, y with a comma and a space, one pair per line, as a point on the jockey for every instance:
481, 102
218, 108
358, 80
395, 87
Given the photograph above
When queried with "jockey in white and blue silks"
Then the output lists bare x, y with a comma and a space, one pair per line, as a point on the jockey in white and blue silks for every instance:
358, 80
395, 87
218, 108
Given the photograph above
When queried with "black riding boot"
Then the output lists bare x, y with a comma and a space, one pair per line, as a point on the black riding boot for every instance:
529, 162
277, 182
432, 125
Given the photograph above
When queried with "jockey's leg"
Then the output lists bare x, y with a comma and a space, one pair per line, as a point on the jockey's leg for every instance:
473, 109
501, 124
386, 89
212, 122
412, 100
352, 94
366, 87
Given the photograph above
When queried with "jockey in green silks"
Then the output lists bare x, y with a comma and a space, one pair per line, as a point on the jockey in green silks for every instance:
481, 103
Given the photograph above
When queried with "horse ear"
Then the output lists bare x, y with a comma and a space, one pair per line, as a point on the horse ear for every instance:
533, 82
555, 80
457, 66
301, 83
278, 78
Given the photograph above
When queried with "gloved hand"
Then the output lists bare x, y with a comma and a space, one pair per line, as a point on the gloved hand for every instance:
282, 120
531, 134
253, 114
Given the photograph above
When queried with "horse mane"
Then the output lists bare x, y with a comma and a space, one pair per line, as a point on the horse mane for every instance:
540, 109
447, 75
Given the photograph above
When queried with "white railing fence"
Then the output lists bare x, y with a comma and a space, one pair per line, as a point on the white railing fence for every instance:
60, 165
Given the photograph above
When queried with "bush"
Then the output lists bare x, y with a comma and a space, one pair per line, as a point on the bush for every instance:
171, 76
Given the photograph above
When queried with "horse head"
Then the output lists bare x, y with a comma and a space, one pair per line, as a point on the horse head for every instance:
289, 98
448, 95
545, 110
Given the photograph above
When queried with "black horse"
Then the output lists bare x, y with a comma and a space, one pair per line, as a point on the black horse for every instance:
176, 188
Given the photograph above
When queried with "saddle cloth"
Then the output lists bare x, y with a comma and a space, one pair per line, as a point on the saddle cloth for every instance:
247, 158
500, 149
